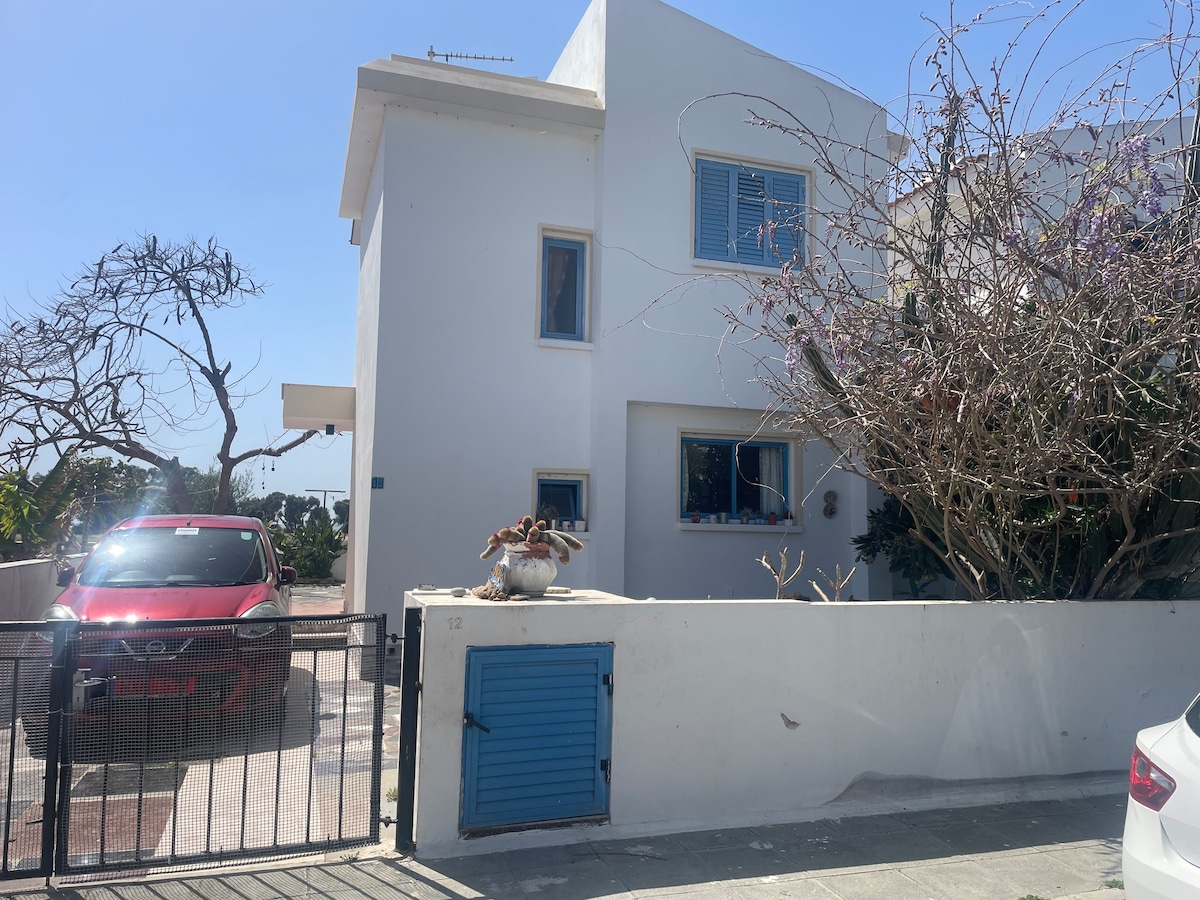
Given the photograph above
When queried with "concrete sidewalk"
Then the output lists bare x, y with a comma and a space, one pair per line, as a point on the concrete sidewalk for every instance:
1045, 849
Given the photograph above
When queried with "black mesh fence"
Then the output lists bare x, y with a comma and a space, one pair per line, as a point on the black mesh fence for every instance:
189, 743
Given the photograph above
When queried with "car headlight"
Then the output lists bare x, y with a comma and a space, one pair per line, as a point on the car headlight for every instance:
267, 610
56, 613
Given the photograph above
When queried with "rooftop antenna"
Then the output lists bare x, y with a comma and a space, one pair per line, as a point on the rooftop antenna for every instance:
446, 57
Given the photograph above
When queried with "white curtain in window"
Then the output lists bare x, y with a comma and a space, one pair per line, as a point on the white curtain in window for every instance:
770, 476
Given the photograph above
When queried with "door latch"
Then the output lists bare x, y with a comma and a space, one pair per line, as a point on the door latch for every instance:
84, 688
470, 721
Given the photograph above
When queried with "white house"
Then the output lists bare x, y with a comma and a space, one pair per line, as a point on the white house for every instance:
542, 268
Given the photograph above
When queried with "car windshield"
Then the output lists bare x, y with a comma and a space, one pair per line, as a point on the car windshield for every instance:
149, 557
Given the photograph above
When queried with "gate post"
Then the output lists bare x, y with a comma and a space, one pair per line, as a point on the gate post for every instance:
410, 691
60, 679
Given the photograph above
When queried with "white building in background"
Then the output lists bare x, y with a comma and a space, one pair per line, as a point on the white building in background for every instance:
539, 295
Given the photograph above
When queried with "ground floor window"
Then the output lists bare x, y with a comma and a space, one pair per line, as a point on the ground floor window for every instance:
726, 475
562, 496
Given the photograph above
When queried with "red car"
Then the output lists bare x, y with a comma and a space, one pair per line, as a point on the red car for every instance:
171, 568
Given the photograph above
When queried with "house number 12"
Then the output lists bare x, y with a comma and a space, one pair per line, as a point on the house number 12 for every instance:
455, 623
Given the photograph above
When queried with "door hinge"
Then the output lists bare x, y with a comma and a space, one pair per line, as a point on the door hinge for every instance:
606, 768
607, 681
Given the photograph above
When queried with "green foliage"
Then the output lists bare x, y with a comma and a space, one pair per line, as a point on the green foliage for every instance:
35, 516
286, 511
312, 547
892, 534
341, 515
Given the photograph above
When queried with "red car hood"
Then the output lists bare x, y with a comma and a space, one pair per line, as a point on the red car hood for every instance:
100, 603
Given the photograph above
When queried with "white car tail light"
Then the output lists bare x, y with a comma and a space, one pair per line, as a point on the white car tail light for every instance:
1148, 784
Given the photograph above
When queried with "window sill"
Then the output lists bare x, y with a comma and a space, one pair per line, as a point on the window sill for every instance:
719, 265
564, 344
745, 529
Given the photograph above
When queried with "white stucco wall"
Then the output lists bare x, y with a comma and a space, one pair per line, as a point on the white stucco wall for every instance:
27, 587
366, 394
901, 689
469, 402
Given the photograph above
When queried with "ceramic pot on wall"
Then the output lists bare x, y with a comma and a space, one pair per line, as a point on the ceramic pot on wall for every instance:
528, 568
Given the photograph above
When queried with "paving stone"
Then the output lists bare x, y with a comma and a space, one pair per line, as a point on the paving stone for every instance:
1040, 875
809, 889
540, 857
726, 837
823, 854
585, 880
976, 837
660, 847
895, 847
962, 880
931, 818
466, 866
734, 863
993, 812
1101, 857
866, 825
797, 835
1051, 830
647, 876
882, 884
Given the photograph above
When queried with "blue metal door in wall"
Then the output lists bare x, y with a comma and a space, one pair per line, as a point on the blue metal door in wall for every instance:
537, 725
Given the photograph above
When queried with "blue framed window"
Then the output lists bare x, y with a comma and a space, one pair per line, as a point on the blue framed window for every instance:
749, 214
565, 495
725, 475
564, 288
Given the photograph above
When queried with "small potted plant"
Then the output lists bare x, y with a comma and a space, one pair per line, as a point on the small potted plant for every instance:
527, 567
549, 513
745, 512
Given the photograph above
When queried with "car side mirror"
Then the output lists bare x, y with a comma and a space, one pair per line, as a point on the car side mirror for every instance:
287, 575
65, 576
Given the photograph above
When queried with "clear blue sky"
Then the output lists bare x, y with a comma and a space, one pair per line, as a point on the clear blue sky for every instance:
231, 117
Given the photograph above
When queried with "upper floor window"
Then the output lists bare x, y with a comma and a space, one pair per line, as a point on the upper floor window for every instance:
748, 214
725, 475
564, 288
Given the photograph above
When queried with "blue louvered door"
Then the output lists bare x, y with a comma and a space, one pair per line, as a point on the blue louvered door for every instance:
537, 726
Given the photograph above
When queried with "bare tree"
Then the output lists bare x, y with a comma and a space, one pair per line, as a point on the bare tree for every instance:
124, 360
1004, 333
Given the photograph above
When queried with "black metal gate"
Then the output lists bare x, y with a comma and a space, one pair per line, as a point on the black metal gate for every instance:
150, 745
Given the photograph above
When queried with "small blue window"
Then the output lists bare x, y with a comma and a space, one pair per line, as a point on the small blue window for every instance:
722, 475
565, 497
564, 294
749, 214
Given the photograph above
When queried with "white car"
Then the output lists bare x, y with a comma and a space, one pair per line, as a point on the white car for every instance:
1161, 849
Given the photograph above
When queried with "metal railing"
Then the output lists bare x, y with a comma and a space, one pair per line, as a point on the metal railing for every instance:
187, 743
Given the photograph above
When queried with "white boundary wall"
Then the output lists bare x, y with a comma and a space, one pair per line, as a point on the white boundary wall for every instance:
27, 587
940, 690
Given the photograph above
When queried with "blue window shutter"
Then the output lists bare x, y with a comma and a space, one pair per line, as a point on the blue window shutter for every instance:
786, 204
734, 202
751, 213
549, 715
714, 187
